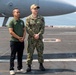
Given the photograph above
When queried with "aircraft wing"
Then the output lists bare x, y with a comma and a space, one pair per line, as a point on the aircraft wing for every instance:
1, 15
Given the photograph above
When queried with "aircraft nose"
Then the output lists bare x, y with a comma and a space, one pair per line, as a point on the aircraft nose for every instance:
55, 7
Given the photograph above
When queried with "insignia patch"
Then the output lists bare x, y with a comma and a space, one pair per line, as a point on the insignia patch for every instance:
21, 23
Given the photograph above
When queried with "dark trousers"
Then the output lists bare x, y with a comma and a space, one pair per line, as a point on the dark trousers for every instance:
16, 48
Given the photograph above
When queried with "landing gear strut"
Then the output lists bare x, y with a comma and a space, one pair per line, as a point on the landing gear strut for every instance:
5, 21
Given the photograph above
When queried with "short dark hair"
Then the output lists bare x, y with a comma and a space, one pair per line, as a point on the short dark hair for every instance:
15, 9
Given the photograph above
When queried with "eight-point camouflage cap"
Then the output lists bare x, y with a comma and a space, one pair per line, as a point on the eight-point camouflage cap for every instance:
33, 6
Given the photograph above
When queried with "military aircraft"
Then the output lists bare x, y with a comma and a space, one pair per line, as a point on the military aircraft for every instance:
47, 7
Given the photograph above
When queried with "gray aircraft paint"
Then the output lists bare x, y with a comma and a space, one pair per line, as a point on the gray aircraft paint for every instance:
47, 7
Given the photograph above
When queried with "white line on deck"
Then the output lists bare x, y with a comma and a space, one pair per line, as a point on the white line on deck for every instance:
5, 53
45, 60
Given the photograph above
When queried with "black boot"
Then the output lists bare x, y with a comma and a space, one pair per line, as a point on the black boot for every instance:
28, 68
41, 67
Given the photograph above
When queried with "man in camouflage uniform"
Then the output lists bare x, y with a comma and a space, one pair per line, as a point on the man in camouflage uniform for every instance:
35, 28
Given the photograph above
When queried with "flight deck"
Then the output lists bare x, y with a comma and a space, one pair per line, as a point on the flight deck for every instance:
59, 52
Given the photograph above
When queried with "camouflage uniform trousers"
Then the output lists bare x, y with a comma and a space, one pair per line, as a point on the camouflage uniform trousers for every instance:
32, 44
